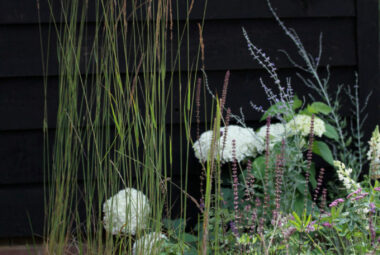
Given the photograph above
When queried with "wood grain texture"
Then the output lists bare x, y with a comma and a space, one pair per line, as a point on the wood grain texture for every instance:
368, 62
350, 32
225, 46
26, 12
22, 211
22, 99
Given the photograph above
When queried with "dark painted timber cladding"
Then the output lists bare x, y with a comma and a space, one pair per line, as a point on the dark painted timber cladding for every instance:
350, 43
25, 11
225, 46
26, 167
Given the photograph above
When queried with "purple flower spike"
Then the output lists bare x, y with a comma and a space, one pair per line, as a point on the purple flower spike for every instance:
336, 202
372, 207
377, 189
363, 195
359, 190
327, 224
310, 227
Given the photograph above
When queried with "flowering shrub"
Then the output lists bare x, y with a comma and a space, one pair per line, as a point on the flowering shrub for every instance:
344, 176
373, 154
247, 144
148, 244
126, 212
269, 197
301, 124
273, 200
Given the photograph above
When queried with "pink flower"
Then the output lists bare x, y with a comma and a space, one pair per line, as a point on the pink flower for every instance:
336, 202
355, 192
310, 227
327, 224
372, 207
377, 189
360, 196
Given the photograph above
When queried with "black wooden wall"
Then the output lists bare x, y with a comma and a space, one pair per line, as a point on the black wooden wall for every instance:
350, 39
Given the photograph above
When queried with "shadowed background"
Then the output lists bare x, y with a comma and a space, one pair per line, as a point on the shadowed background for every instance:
350, 43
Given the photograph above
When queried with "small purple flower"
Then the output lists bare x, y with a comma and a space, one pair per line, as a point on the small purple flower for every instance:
372, 207
336, 202
310, 227
359, 190
363, 195
233, 228
327, 224
377, 189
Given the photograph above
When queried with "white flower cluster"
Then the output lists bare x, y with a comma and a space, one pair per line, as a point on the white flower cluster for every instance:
276, 133
126, 212
148, 244
247, 144
373, 154
301, 124
344, 176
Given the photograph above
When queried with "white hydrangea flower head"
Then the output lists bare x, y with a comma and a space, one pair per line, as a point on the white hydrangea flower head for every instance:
148, 244
203, 145
247, 143
276, 133
374, 145
373, 153
344, 176
126, 212
301, 124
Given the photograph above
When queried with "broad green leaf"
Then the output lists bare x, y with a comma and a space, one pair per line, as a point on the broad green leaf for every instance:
297, 218
278, 108
331, 132
320, 107
312, 178
308, 220
178, 225
349, 140
258, 167
191, 252
323, 150
188, 238
297, 103
296, 224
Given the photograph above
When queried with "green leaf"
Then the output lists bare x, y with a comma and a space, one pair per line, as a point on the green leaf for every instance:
348, 142
297, 218
278, 108
258, 167
178, 225
295, 224
188, 238
312, 178
308, 220
320, 107
228, 197
323, 150
297, 103
331, 132
191, 252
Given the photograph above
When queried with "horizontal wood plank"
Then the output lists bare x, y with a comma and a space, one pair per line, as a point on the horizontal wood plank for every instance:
22, 99
22, 157
23, 215
26, 12
22, 211
225, 46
